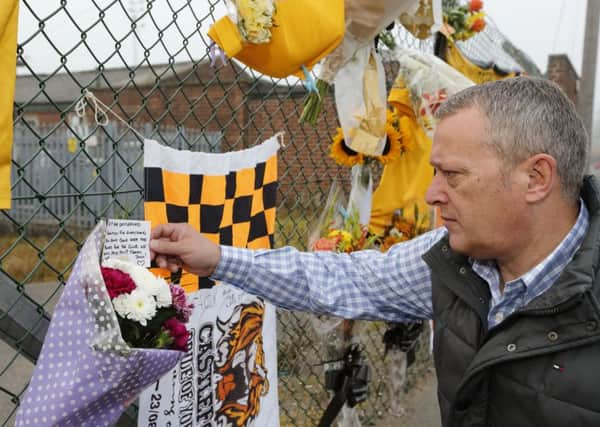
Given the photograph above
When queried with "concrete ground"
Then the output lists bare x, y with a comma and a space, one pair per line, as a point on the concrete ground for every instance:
421, 406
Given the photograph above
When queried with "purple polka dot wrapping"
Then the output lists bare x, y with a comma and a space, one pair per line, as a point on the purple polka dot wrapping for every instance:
86, 374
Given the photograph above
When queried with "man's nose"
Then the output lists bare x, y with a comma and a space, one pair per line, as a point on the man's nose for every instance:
436, 194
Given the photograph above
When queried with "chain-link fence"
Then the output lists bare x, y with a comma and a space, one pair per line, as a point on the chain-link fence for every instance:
148, 61
492, 47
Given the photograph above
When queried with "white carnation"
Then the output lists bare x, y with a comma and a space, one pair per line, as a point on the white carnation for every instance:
137, 306
163, 298
144, 280
121, 304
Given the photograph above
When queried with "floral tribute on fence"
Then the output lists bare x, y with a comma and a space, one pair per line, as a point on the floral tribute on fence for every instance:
151, 312
463, 21
115, 330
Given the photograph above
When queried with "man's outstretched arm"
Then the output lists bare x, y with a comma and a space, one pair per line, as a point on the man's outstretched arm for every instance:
393, 286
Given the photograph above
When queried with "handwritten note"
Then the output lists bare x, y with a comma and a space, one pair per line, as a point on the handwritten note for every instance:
128, 240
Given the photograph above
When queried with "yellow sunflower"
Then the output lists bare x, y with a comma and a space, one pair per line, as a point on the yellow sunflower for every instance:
342, 154
393, 143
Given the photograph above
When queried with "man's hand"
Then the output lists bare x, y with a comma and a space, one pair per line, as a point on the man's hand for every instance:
178, 245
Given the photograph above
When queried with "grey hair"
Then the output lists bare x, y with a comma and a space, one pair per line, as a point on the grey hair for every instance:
528, 116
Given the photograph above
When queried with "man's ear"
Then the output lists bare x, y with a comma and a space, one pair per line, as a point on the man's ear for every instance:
542, 176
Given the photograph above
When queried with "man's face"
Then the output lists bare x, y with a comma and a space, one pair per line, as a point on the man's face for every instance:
482, 208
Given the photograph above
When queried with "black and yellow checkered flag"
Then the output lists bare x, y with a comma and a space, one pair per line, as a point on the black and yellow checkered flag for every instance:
230, 198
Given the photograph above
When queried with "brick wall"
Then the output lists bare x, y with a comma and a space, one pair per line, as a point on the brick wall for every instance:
247, 112
561, 71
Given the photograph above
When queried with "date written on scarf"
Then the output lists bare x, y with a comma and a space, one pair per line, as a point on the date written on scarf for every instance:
128, 240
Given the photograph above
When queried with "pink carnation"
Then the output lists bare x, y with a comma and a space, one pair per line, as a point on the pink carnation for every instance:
117, 282
183, 308
178, 331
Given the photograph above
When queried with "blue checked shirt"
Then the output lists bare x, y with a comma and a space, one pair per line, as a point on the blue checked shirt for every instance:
393, 286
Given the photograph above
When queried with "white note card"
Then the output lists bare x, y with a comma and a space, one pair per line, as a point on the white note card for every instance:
128, 240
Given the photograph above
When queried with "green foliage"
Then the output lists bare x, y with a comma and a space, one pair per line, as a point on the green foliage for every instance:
150, 336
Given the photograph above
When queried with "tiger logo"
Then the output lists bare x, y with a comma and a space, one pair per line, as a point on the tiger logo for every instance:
240, 366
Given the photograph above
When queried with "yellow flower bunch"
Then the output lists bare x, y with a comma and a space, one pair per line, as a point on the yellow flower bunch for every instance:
255, 19
343, 238
398, 140
352, 236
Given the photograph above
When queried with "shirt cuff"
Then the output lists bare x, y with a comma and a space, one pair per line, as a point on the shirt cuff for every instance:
235, 265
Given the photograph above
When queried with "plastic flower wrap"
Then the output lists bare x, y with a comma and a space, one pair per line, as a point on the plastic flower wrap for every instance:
280, 38
424, 20
360, 100
341, 228
89, 369
330, 218
364, 20
430, 82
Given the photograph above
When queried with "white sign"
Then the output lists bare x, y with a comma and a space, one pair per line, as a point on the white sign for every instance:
228, 377
128, 240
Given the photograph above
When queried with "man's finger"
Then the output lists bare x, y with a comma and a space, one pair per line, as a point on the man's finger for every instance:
164, 231
161, 261
164, 246
173, 264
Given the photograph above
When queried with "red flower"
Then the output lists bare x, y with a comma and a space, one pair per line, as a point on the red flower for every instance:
475, 5
178, 331
324, 244
478, 25
183, 308
117, 282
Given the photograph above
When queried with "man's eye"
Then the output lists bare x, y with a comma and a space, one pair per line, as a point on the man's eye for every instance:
445, 173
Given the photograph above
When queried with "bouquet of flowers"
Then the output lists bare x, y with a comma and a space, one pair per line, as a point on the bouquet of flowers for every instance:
255, 19
402, 228
92, 366
280, 38
339, 229
351, 236
342, 229
463, 21
151, 312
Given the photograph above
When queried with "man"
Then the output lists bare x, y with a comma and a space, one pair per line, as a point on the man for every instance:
510, 279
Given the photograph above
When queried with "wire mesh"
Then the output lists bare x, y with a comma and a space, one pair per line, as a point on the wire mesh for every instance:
491, 46
148, 61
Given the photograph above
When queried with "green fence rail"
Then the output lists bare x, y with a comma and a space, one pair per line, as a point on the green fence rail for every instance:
148, 61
